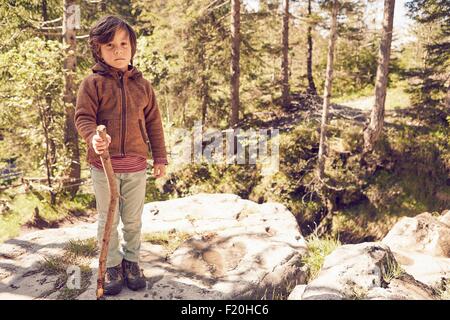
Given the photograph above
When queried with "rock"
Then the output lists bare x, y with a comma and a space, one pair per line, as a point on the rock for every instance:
422, 246
297, 293
423, 233
445, 217
364, 271
235, 249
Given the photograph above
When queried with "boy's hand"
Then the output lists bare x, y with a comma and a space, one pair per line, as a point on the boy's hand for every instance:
159, 170
99, 145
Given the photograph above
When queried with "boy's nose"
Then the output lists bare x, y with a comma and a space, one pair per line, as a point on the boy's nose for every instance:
118, 52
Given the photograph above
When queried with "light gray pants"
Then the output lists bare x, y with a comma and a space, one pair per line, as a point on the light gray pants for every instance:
131, 187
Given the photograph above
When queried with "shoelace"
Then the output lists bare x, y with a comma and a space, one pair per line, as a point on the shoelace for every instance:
134, 268
113, 273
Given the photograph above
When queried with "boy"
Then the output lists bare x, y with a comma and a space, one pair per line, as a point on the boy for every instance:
117, 95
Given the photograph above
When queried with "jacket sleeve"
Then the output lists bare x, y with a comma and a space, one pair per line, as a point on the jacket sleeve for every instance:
154, 127
86, 110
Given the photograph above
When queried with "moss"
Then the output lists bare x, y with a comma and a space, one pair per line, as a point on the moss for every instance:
170, 240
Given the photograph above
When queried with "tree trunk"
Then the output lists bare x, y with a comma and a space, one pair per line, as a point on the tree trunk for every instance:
47, 123
44, 10
285, 59
327, 91
311, 85
447, 98
45, 117
235, 57
70, 62
373, 131
103, 6
204, 86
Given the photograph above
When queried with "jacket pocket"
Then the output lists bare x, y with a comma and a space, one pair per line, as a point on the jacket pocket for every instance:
143, 133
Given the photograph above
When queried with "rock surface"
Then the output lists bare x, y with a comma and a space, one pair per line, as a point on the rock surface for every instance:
365, 271
411, 262
422, 246
232, 248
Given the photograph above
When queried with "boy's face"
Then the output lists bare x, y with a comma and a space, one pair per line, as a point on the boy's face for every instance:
117, 52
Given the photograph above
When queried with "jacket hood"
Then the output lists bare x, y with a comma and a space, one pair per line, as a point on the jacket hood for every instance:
106, 70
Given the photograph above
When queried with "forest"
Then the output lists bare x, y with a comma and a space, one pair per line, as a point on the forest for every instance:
362, 109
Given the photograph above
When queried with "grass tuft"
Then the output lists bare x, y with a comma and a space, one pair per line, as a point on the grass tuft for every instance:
87, 247
318, 249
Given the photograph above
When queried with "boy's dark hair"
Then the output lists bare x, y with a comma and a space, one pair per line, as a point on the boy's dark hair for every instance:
103, 32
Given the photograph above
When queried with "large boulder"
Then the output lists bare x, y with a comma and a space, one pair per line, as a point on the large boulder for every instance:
365, 271
422, 246
228, 248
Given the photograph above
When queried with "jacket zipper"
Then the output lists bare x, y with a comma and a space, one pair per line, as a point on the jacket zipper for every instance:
124, 114
144, 135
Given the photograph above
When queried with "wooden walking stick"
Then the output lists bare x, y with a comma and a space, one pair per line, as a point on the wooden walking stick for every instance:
113, 197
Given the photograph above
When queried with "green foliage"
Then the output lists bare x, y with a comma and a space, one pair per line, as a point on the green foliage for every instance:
31, 88
86, 247
33, 209
318, 249
81, 201
25, 205
153, 64
430, 85
391, 269
213, 178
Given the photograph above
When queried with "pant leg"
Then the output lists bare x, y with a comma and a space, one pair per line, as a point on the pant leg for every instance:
133, 193
102, 199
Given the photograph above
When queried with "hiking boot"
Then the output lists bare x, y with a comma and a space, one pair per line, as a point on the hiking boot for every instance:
134, 277
113, 280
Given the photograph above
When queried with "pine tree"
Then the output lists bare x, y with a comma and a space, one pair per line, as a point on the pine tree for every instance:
285, 58
373, 131
235, 60
70, 64
431, 97
311, 85
327, 90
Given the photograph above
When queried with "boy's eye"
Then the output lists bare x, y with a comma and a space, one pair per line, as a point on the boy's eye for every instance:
109, 45
124, 43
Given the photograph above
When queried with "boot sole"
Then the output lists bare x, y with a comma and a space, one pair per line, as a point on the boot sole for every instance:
114, 290
136, 287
